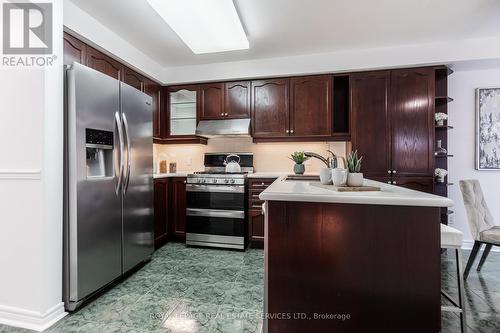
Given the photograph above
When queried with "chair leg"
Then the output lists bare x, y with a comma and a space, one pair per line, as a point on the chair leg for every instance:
484, 256
461, 292
472, 257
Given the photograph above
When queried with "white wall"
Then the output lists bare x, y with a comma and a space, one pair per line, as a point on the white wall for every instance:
341, 61
31, 118
461, 87
79, 23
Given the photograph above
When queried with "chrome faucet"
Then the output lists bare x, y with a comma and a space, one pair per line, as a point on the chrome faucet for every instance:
330, 161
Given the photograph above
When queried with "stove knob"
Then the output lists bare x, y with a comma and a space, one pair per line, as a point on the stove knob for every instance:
214, 180
226, 181
232, 181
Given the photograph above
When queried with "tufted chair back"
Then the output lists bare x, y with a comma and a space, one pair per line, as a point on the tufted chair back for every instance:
478, 214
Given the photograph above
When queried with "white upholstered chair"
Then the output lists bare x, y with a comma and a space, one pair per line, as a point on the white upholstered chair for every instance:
452, 238
481, 223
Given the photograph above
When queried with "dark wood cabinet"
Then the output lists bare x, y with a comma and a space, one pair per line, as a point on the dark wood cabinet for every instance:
103, 63
161, 211
74, 50
178, 207
255, 215
159, 119
256, 227
270, 108
423, 184
237, 99
412, 121
212, 101
311, 106
370, 131
133, 79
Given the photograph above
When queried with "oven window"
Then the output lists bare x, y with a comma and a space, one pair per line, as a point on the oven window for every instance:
216, 200
221, 226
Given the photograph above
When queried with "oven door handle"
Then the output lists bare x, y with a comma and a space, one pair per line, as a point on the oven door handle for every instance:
233, 214
215, 188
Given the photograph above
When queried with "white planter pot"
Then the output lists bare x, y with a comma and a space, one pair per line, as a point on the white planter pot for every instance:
355, 179
325, 176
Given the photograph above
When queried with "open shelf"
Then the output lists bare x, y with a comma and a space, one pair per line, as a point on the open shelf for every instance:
446, 99
443, 127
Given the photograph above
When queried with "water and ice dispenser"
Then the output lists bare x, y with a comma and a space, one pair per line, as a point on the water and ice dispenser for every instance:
99, 150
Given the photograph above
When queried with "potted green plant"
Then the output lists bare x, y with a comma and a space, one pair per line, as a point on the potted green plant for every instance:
299, 158
354, 177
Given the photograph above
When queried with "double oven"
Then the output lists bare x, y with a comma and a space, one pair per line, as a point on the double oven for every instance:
217, 204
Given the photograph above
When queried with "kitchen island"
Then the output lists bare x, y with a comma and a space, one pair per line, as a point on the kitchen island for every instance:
351, 261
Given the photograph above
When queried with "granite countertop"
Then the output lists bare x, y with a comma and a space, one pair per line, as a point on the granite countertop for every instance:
288, 190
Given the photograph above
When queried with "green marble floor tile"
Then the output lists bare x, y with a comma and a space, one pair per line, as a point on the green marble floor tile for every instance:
251, 276
172, 286
11, 329
148, 312
189, 316
205, 291
243, 296
221, 274
231, 320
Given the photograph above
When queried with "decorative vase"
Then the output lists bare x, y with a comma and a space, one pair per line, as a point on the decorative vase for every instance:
439, 179
440, 122
355, 179
440, 151
299, 169
325, 176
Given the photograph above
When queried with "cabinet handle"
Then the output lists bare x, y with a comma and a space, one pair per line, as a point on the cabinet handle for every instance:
257, 206
393, 171
291, 131
225, 114
287, 131
185, 182
394, 183
389, 171
222, 114
389, 182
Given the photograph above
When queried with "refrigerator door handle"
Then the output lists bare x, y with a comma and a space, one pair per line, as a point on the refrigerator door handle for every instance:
120, 157
127, 136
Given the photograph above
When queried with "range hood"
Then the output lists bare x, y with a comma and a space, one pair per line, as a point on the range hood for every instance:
226, 127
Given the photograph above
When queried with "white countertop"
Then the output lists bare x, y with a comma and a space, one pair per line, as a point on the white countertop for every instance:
391, 195
267, 174
168, 175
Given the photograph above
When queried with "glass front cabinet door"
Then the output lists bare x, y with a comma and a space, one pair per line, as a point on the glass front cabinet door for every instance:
183, 112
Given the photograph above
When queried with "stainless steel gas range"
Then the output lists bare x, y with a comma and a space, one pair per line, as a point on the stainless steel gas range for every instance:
217, 203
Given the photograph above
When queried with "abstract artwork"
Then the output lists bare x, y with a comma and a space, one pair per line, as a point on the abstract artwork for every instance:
488, 128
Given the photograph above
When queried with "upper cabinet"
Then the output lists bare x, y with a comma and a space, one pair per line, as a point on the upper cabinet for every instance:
212, 101
412, 121
104, 64
311, 106
153, 89
237, 99
270, 108
393, 126
370, 124
183, 110
74, 50
133, 79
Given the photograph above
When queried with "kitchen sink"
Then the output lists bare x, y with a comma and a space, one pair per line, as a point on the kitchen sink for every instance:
309, 178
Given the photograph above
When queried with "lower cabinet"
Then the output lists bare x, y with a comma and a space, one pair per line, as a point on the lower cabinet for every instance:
256, 227
169, 210
178, 208
255, 216
161, 211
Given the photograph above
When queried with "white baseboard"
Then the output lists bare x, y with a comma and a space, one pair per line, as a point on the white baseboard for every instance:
32, 320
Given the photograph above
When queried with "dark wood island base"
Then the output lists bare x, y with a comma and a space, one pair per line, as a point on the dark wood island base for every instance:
335, 267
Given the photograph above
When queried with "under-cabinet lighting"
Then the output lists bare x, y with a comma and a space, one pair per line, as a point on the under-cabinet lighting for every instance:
206, 26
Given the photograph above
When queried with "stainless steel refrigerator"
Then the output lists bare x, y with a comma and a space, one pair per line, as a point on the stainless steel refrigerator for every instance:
108, 227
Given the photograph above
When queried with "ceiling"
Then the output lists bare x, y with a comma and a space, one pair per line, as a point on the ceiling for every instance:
277, 28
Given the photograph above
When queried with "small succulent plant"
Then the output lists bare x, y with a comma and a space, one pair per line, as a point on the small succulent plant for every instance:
299, 157
354, 162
